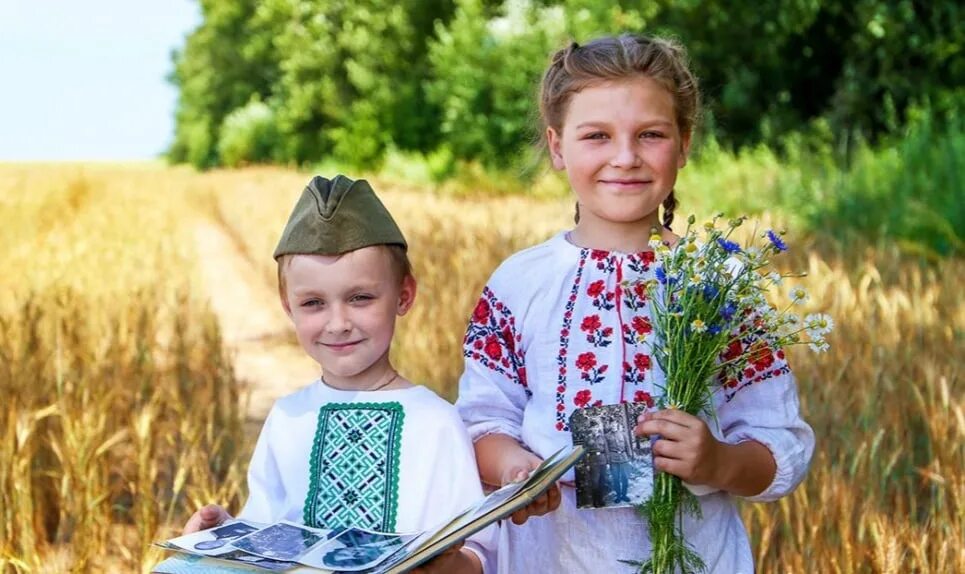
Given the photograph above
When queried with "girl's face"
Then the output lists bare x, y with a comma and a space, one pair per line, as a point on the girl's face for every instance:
621, 148
344, 310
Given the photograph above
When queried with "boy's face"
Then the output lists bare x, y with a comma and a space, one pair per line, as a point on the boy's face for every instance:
344, 309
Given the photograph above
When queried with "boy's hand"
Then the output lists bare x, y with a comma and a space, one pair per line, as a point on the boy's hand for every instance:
454, 560
685, 449
206, 517
524, 463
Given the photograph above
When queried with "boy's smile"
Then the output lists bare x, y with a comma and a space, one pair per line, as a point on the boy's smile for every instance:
344, 310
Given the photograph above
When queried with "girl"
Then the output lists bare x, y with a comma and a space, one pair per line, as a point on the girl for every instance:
618, 115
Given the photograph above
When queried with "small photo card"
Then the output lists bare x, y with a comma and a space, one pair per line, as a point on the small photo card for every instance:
214, 541
355, 549
285, 541
617, 469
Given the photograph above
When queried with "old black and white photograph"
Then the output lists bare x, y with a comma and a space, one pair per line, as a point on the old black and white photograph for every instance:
617, 469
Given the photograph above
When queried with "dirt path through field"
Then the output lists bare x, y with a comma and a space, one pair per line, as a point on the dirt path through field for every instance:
255, 329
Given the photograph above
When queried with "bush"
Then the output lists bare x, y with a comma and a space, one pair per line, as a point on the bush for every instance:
248, 135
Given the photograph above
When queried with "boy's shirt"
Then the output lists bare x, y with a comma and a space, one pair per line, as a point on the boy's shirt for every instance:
392, 460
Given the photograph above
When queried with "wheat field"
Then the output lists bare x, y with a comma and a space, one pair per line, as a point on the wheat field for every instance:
124, 409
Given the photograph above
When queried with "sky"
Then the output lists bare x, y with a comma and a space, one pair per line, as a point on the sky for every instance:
87, 80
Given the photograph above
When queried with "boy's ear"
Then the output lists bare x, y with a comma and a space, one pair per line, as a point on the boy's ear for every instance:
556, 148
284, 303
407, 294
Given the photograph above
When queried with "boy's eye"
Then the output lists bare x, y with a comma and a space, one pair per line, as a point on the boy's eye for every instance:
311, 303
361, 298
595, 136
651, 135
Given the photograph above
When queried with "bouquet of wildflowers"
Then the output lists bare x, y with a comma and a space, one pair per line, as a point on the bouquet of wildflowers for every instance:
712, 323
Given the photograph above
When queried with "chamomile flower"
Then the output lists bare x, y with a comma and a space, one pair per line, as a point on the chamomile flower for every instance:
799, 295
655, 241
819, 346
775, 278
818, 324
698, 326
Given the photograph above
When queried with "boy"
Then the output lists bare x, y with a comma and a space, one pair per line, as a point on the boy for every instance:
362, 446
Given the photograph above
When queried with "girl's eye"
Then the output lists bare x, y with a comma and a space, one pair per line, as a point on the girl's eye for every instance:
311, 303
595, 136
651, 135
361, 298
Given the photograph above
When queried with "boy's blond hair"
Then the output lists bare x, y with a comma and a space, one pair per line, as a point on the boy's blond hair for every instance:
397, 256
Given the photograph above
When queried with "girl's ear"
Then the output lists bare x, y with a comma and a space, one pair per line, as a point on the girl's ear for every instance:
684, 150
556, 149
407, 294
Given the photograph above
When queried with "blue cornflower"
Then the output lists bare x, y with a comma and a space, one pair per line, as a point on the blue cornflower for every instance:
710, 292
728, 246
713, 329
776, 240
661, 275
728, 310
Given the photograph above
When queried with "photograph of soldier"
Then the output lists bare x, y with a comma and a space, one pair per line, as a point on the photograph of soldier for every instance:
617, 468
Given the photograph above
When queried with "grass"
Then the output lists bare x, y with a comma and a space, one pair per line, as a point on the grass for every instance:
123, 413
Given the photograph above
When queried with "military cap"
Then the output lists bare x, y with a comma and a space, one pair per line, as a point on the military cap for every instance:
336, 216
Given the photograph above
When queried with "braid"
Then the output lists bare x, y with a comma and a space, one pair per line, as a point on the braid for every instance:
576, 216
669, 205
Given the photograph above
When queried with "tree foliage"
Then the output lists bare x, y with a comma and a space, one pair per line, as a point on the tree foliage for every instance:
348, 80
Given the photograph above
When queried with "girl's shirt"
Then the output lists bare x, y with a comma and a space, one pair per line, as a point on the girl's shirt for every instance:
559, 327
392, 461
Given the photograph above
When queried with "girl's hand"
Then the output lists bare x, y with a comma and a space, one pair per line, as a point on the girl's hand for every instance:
524, 463
454, 560
206, 517
686, 447
501, 461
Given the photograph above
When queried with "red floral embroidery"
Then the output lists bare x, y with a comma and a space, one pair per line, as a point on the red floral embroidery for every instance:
582, 398
643, 397
590, 323
596, 288
641, 361
641, 325
493, 348
592, 374
481, 313
492, 340
586, 361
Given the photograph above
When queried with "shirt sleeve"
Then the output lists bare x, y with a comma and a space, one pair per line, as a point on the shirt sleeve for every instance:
766, 409
493, 390
456, 486
265, 491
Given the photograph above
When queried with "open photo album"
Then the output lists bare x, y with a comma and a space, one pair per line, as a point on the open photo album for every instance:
243, 546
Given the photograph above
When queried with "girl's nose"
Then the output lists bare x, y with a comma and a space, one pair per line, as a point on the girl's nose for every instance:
625, 155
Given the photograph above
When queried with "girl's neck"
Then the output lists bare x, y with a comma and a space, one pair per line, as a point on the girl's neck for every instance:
625, 237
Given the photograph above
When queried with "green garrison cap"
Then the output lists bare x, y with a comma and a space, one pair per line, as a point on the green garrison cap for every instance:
337, 216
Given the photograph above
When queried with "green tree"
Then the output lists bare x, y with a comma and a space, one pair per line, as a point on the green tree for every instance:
225, 61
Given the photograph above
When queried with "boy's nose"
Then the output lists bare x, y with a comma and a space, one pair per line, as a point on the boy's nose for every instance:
338, 322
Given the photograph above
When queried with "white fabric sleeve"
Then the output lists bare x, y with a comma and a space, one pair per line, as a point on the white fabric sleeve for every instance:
265, 486
460, 479
493, 389
769, 412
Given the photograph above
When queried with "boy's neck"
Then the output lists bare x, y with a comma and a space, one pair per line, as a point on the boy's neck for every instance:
379, 377
628, 237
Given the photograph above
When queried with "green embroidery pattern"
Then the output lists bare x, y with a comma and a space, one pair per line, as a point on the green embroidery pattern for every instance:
355, 466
